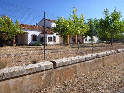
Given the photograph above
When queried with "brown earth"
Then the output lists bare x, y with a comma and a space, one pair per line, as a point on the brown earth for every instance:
107, 79
23, 55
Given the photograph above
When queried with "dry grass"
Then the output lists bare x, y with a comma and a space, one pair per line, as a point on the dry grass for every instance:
3, 65
23, 55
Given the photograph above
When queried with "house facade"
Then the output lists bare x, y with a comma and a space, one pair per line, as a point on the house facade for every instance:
71, 39
89, 40
75, 39
48, 23
35, 34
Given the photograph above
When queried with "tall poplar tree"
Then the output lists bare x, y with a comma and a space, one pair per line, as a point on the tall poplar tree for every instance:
74, 25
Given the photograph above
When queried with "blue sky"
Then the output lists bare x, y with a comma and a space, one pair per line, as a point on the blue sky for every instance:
31, 11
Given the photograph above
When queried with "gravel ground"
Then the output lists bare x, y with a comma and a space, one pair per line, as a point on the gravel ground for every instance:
24, 55
108, 79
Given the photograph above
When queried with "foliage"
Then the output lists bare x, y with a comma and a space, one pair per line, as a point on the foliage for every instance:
61, 26
74, 25
77, 24
8, 29
92, 23
111, 26
37, 44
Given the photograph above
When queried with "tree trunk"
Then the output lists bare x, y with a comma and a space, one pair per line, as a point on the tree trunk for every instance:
14, 42
82, 39
112, 38
76, 39
68, 40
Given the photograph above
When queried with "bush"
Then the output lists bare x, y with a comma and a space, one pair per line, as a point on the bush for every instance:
37, 44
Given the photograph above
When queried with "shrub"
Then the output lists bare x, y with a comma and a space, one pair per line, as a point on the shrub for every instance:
37, 44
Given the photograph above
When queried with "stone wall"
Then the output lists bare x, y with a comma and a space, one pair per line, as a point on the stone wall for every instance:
28, 78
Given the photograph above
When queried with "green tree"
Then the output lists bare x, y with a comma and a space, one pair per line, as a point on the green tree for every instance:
78, 26
122, 26
8, 30
110, 26
92, 23
101, 30
61, 27
74, 25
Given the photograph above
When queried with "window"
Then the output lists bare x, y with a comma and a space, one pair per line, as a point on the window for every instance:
49, 39
34, 38
85, 39
54, 38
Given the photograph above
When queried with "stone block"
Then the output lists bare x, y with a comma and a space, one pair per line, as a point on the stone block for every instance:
77, 59
69, 61
16, 71
120, 50
88, 57
94, 56
113, 51
62, 62
102, 54
108, 53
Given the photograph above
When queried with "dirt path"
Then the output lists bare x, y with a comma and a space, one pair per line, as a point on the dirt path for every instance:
109, 79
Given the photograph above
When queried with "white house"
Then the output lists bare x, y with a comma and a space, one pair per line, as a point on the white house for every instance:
89, 40
34, 34
80, 38
48, 23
